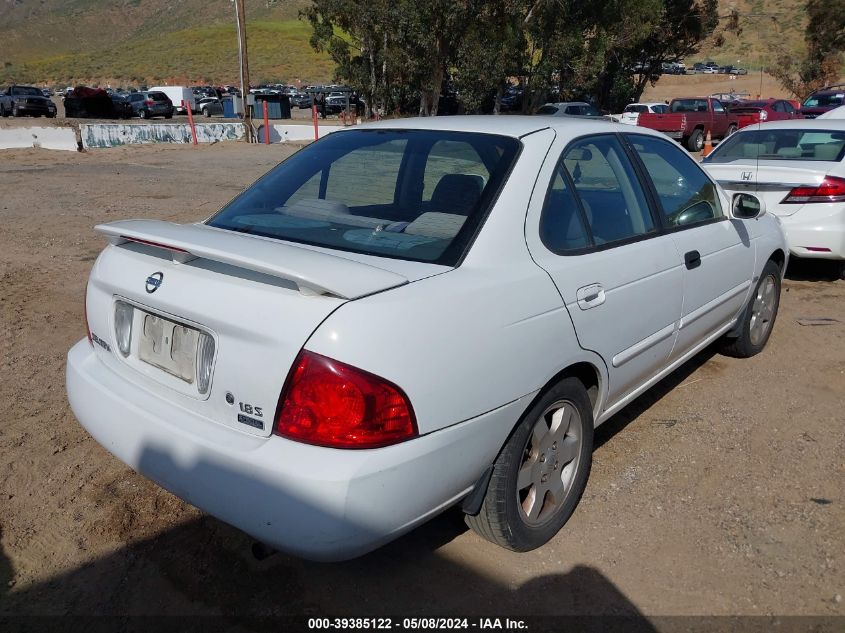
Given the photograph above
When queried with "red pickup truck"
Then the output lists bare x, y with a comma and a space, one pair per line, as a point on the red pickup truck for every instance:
689, 119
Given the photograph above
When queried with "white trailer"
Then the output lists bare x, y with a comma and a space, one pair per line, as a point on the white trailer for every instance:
178, 94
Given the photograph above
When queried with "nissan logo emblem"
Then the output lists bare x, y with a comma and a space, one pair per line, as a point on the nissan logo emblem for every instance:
153, 282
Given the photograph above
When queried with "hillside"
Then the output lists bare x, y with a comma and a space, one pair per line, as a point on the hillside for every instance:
142, 41
149, 41
769, 27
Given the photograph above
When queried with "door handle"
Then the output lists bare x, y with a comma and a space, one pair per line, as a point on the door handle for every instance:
692, 259
590, 296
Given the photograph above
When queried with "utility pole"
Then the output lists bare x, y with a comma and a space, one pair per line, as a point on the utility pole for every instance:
240, 18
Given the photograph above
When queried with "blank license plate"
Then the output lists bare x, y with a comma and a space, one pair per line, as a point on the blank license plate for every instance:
169, 346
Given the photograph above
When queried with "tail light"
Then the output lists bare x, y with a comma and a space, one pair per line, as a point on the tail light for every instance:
149, 102
763, 115
831, 189
329, 403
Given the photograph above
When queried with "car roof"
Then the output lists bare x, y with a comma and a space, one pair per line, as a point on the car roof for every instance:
508, 125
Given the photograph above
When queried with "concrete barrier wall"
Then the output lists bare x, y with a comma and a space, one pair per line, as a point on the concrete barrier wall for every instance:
96, 135
281, 132
63, 138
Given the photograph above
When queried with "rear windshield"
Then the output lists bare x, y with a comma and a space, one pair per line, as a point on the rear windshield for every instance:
158, 96
407, 194
822, 145
816, 101
689, 105
636, 108
547, 109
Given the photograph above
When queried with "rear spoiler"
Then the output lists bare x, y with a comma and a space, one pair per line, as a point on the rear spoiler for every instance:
312, 271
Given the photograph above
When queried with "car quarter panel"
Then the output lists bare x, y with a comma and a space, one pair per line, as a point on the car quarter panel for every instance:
319, 503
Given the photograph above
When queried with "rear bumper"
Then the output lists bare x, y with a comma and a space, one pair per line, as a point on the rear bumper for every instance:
318, 503
816, 226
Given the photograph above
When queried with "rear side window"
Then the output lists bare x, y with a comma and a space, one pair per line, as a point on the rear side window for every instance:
613, 203
687, 196
562, 222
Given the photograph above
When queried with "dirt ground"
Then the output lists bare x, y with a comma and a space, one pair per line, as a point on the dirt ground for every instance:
719, 492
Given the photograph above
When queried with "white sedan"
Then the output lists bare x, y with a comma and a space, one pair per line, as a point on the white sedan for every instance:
797, 167
412, 315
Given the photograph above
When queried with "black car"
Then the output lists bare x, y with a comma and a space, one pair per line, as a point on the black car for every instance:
122, 106
151, 104
28, 100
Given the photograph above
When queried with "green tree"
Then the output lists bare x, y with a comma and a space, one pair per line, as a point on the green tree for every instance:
821, 63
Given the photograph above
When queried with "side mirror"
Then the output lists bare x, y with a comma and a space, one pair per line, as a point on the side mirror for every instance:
747, 207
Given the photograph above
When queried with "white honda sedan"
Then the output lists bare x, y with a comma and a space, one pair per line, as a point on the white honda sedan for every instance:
416, 314
798, 168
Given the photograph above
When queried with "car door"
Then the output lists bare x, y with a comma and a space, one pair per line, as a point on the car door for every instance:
620, 279
717, 253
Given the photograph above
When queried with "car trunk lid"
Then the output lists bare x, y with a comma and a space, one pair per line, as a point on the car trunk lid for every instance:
770, 180
257, 298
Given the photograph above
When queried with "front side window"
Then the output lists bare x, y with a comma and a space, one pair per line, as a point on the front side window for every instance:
408, 194
686, 195
610, 193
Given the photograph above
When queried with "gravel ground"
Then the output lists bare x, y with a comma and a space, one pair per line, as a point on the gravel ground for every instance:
719, 492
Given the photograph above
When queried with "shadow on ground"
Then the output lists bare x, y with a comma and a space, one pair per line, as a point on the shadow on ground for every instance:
814, 270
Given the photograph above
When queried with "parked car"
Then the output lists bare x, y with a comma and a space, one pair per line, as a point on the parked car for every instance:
760, 111
836, 113
823, 100
569, 108
5, 104
511, 100
398, 358
698, 68
179, 96
797, 168
122, 106
209, 106
301, 100
672, 68
91, 103
148, 105
632, 111
690, 119
28, 101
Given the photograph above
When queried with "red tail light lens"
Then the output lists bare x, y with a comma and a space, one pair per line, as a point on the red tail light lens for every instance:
831, 189
149, 102
329, 403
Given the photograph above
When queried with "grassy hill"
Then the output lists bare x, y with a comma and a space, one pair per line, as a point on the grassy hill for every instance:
769, 27
150, 41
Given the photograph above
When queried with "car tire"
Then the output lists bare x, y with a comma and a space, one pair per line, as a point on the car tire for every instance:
206, 112
695, 143
758, 319
143, 114
168, 116
540, 456
15, 111
731, 130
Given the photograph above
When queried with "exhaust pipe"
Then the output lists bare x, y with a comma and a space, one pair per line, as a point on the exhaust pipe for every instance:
261, 551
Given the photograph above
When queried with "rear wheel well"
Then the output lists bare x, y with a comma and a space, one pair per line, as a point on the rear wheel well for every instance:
586, 373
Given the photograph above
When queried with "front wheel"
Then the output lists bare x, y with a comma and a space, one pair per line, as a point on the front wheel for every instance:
731, 130
540, 474
759, 316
